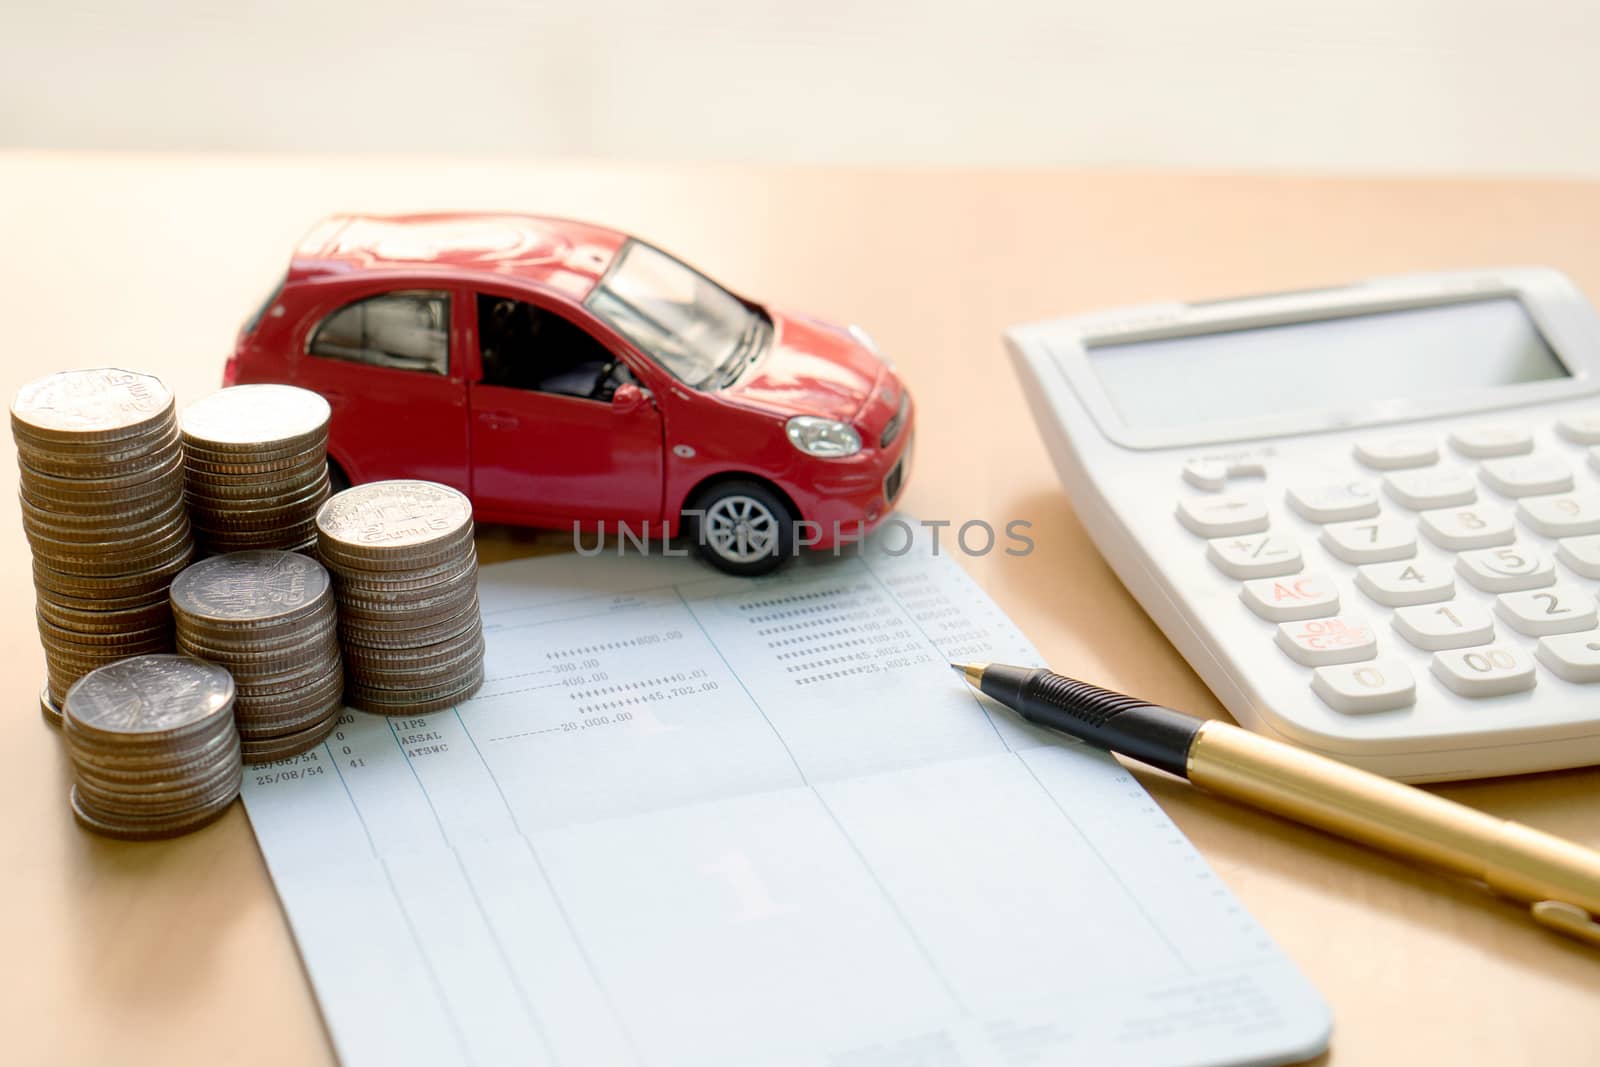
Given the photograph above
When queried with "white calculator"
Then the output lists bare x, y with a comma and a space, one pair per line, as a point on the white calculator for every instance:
1368, 516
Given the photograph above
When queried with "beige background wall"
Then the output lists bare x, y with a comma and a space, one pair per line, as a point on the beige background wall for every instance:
1391, 85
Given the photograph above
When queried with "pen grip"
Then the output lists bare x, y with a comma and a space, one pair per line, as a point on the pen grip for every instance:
1136, 728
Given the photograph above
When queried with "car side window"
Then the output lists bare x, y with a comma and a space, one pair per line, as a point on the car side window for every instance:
525, 346
405, 330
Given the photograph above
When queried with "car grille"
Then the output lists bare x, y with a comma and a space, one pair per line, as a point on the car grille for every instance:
892, 481
896, 421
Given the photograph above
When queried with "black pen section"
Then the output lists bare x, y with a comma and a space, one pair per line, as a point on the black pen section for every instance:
1143, 731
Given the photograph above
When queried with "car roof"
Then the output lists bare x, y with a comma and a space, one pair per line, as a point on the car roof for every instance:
556, 253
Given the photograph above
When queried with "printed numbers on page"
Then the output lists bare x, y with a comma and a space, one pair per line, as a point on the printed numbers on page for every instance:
293, 769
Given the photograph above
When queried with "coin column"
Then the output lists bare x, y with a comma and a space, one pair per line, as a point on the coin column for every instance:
405, 572
268, 617
154, 751
257, 462
102, 505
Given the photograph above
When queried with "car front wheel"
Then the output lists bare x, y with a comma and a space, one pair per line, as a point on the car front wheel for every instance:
742, 528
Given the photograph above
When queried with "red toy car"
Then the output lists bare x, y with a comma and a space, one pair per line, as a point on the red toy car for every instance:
566, 375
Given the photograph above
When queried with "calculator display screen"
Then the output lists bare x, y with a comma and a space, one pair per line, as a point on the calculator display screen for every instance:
1353, 363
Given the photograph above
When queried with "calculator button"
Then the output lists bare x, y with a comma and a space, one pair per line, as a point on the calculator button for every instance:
1505, 570
1564, 515
1490, 671
1477, 526
1305, 596
1207, 474
1560, 609
1432, 627
1320, 642
1582, 427
1527, 475
1581, 554
1397, 453
1357, 688
1423, 490
1396, 585
1334, 503
1574, 657
1488, 440
1223, 516
1370, 540
1264, 555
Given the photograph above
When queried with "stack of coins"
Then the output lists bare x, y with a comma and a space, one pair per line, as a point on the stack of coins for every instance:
102, 507
405, 572
154, 752
268, 617
256, 459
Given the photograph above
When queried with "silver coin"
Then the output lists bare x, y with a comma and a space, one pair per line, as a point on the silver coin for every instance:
110, 530
110, 559
95, 545
259, 586
294, 639
293, 744
356, 635
142, 758
419, 656
415, 703
63, 657
89, 642
310, 494
185, 787
118, 585
159, 432
149, 695
221, 487
393, 518
266, 696
365, 583
254, 417
264, 465
112, 464
148, 829
306, 451
152, 448
380, 566
104, 513
50, 491
442, 673
102, 404
292, 713
280, 685
299, 517
419, 609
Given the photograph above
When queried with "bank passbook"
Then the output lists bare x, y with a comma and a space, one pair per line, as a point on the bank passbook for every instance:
697, 820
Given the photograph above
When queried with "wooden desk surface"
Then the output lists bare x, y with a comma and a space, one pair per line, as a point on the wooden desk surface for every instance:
178, 952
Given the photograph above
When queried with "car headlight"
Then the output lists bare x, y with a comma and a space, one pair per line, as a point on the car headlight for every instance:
864, 339
827, 438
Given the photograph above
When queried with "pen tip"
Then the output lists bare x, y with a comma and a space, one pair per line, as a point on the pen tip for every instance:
972, 672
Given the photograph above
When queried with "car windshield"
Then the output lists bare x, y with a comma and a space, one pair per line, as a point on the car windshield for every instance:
699, 332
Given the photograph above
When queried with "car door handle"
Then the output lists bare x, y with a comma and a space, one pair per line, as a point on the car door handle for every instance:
499, 422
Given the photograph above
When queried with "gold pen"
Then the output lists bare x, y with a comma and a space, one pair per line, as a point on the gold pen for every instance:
1558, 879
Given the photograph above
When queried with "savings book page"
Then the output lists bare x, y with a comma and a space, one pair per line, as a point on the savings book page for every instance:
693, 819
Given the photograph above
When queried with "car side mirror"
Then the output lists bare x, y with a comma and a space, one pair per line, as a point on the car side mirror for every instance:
628, 398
